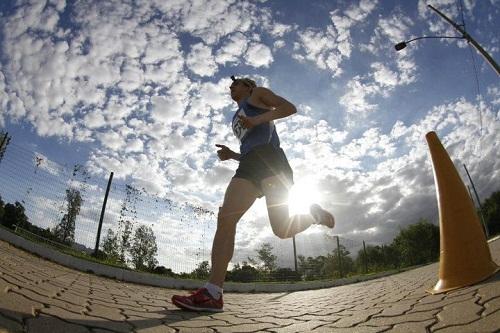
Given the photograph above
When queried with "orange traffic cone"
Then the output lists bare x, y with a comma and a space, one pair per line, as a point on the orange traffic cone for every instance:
465, 257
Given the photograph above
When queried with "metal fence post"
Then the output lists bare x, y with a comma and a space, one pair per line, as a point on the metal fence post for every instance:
96, 249
339, 257
4, 142
366, 258
295, 254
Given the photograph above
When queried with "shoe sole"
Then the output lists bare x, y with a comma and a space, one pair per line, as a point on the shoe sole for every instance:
193, 308
326, 215
331, 219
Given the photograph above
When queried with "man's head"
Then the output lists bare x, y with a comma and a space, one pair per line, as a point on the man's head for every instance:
241, 87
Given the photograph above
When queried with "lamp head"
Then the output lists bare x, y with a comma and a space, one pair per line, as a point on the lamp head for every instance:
400, 46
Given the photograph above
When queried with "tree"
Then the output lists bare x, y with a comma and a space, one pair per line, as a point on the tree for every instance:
2, 204
243, 273
14, 214
378, 258
124, 245
418, 243
144, 249
164, 271
65, 230
266, 256
202, 271
334, 267
491, 213
286, 274
111, 247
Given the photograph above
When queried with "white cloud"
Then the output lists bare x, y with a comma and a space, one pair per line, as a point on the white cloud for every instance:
134, 146
389, 31
94, 119
167, 109
383, 75
494, 92
259, 55
232, 49
318, 46
201, 61
210, 20
328, 48
355, 100
111, 140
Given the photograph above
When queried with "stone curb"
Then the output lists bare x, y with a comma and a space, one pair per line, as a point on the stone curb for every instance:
166, 282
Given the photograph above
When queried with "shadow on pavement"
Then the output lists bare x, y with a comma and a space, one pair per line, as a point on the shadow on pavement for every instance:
39, 322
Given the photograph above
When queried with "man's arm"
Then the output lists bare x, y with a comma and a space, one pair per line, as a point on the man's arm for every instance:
225, 153
278, 108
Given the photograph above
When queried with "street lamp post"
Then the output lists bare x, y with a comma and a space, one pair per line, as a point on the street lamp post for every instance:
465, 35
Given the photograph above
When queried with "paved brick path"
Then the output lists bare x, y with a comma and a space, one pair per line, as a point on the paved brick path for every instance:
39, 296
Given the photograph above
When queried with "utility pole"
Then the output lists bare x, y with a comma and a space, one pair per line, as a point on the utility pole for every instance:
101, 219
295, 255
366, 258
471, 40
478, 203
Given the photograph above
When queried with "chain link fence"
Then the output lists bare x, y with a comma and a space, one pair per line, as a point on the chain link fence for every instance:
61, 205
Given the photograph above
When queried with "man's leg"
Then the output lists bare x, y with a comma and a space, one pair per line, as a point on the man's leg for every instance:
285, 226
239, 197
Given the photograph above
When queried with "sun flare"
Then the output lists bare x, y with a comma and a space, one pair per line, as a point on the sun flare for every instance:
301, 196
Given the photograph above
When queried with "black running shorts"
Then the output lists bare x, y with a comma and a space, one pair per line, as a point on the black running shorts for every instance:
262, 162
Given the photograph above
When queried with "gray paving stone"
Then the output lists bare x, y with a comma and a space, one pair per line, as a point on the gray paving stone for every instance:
198, 330
149, 325
9, 324
197, 323
458, 314
440, 304
353, 318
396, 309
232, 319
306, 326
491, 307
49, 324
358, 329
490, 289
102, 311
244, 328
409, 317
488, 324
86, 320
19, 306
413, 327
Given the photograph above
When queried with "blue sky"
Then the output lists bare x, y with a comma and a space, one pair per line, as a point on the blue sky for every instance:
141, 89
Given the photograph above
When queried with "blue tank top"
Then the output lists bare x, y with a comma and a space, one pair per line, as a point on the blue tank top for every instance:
256, 136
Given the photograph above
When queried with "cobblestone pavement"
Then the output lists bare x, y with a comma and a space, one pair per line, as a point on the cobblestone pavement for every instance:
39, 296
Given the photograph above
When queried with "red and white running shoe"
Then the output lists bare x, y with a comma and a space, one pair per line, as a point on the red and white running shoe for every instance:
199, 300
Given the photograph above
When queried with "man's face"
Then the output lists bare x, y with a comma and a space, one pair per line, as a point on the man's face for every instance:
238, 88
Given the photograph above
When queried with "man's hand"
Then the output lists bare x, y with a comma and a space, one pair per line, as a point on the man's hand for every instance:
225, 153
248, 122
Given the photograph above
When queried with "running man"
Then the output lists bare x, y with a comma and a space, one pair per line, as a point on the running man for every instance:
263, 171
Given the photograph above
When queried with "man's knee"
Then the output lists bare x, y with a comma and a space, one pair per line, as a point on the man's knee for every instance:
280, 231
226, 219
